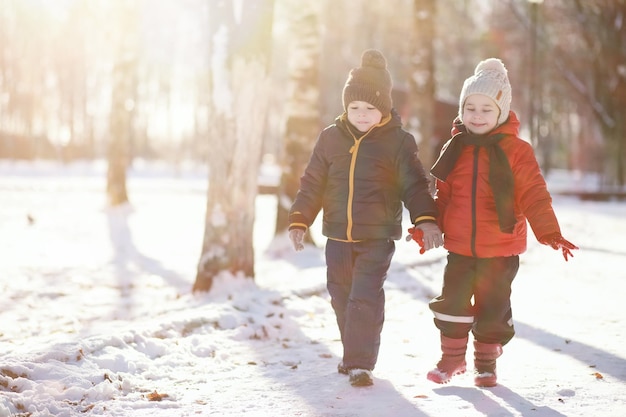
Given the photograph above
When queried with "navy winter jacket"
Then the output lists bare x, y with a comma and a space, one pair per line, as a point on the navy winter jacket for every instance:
360, 183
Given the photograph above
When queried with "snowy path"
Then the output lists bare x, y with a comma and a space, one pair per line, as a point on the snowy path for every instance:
96, 318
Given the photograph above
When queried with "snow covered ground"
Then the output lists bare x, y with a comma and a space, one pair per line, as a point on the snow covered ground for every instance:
97, 318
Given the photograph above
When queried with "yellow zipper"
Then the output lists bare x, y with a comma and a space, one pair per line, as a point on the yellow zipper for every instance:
354, 150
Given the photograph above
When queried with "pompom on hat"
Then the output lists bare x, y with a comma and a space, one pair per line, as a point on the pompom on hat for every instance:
490, 79
371, 82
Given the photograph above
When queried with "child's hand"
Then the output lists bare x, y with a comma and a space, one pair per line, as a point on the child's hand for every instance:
297, 238
432, 235
556, 241
427, 235
418, 236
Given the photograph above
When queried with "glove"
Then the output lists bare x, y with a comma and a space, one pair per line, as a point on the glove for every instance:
297, 238
427, 235
556, 241
418, 236
432, 235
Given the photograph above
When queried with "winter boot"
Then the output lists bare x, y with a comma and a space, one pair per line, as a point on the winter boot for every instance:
452, 360
361, 377
342, 369
485, 355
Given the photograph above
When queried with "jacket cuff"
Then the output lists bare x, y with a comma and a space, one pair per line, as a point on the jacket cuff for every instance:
549, 238
297, 226
424, 219
297, 220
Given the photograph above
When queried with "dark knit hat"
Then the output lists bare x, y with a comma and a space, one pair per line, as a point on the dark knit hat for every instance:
371, 82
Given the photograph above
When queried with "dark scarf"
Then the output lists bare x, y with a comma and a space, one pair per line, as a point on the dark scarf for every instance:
500, 174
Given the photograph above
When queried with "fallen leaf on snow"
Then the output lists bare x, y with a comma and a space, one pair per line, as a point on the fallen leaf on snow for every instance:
155, 396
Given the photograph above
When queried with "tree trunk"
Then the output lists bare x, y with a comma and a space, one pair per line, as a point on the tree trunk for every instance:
122, 104
302, 107
422, 81
241, 89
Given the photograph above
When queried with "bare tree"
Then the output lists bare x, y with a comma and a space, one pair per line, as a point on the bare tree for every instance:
422, 78
122, 102
602, 81
241, 87
303, 103
584, 68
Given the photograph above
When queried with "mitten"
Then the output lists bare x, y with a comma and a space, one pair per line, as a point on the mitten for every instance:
556, 241
297, 239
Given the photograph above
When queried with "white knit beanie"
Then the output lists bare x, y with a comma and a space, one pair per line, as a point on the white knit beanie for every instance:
490, 79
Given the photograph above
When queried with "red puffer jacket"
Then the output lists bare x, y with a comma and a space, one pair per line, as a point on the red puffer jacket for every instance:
467, 207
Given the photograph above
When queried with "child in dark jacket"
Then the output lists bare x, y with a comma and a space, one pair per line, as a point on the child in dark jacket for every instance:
363, 168
488, 184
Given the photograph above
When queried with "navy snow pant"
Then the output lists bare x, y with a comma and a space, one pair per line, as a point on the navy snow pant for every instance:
356, 273
486, 280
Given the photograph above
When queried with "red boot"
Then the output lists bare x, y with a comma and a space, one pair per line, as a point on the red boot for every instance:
485, 355
452, 361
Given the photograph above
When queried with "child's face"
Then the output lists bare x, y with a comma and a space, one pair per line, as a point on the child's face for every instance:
363, 115
480, 114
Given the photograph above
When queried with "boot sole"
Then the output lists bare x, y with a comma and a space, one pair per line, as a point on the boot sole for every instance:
437, 378
487, 381
485, 384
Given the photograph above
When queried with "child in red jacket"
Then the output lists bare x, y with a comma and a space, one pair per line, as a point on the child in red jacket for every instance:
488, 184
